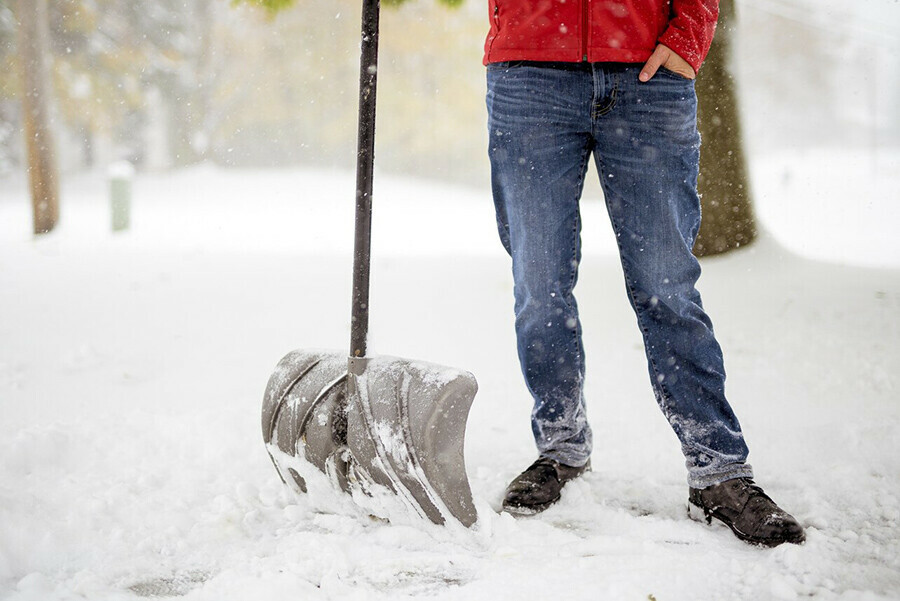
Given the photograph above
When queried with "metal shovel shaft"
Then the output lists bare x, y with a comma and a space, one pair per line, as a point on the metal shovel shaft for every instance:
365, 160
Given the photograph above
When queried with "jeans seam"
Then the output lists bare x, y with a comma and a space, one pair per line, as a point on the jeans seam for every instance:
658, 386
585, 153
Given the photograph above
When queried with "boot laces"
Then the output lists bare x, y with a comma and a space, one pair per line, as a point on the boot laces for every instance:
753, 491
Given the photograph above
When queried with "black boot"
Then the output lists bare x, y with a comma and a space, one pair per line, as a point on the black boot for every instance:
539, 486
747, 510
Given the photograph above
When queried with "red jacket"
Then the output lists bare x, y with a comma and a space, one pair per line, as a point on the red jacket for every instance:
599, 30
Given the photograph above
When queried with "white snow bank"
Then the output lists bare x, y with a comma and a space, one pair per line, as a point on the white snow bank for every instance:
839, 206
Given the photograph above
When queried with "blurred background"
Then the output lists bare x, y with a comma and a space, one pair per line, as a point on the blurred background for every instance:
176, 82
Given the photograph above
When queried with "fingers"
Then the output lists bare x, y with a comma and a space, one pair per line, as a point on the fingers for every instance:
678, 65
656, 60
664, 57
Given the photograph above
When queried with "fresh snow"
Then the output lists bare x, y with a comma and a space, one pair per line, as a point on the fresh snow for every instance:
133, 364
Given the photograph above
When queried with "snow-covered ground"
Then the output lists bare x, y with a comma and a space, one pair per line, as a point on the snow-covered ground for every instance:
132, 368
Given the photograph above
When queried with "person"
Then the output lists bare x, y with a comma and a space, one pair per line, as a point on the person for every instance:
612, 79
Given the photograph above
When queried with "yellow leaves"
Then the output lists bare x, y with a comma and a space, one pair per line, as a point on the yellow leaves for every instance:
273, 7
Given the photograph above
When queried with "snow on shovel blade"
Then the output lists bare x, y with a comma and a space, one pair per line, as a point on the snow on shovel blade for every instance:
304, 414
391, 422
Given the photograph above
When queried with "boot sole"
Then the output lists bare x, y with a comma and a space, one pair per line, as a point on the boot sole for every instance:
528, 510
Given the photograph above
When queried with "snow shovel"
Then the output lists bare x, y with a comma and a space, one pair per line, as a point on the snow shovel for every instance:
372, 422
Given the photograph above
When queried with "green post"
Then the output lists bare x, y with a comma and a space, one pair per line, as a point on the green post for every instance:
120, 176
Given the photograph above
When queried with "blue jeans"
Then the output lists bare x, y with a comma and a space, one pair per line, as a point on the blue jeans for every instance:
546, 120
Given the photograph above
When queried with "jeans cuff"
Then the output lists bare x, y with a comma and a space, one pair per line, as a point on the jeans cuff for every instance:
710, 477
567, 459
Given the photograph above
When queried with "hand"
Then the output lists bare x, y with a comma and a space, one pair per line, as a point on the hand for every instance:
663, 56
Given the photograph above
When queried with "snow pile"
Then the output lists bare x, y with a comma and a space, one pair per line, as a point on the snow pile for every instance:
133, 367
837, 206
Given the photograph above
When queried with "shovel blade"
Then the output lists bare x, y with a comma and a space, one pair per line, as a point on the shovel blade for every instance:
406, 426
392, 422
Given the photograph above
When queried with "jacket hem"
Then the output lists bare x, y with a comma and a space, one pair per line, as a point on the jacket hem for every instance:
574, 55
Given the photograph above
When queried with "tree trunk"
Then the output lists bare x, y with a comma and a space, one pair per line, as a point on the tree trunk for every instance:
728, 220
33, 42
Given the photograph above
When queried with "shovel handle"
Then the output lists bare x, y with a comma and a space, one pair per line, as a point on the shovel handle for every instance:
365, 159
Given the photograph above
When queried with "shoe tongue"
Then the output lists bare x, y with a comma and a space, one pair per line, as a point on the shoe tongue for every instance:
547, 470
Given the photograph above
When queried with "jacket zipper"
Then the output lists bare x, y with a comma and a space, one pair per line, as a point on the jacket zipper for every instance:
496, 24
584, 30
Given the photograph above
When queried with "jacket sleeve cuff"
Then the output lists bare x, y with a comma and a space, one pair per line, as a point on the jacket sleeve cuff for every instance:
690, 33
685, 46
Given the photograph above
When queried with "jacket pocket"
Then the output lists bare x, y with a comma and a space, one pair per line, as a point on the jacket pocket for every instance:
671, 73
